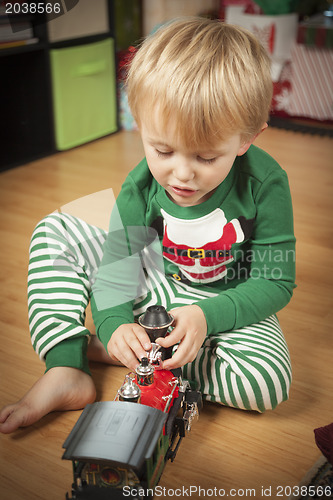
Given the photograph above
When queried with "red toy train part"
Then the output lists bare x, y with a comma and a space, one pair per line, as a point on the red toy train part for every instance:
126, 443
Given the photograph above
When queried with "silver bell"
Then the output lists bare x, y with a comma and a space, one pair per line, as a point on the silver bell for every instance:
145, 373
129, 391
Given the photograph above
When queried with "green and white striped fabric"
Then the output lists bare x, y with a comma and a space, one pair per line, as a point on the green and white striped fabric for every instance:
248, 368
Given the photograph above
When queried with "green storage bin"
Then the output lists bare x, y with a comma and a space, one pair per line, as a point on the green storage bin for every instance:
84, 93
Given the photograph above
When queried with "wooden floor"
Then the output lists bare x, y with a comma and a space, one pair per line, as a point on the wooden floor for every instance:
227, 448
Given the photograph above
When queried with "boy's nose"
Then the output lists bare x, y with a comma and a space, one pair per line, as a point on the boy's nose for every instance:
183, 172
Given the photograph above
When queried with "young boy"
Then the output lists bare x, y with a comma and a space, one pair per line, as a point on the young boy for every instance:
203, 225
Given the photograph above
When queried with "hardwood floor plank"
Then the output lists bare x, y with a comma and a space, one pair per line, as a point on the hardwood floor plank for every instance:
226, 448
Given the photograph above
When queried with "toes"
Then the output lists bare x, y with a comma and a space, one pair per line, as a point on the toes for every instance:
61, 388
5, 412
13, 417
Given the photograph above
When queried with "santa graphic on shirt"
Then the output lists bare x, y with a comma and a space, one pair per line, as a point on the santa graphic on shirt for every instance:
201, 247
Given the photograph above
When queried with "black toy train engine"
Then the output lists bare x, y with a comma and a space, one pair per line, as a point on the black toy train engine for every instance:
123, 445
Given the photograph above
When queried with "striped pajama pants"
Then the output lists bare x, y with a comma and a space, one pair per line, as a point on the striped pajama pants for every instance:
247, 368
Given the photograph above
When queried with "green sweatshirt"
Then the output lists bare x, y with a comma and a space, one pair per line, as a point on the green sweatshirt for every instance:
239, 245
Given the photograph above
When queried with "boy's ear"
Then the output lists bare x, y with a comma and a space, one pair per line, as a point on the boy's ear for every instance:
244, 147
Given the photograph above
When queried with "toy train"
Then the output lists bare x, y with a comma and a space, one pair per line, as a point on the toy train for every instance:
123, 445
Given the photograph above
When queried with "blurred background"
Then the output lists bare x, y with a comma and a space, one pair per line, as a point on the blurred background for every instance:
63, 65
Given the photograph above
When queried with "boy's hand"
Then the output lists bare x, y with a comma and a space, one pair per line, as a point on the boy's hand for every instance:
128, 344
190, 331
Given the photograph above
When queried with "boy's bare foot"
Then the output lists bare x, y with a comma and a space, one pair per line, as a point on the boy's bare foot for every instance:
61, 388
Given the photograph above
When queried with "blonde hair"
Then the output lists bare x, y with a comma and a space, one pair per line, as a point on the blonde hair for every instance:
210, 78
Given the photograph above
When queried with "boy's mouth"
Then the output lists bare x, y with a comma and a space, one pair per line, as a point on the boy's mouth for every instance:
182, 191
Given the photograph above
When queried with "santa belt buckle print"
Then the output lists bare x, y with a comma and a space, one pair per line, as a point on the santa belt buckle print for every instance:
196, 253
200, 253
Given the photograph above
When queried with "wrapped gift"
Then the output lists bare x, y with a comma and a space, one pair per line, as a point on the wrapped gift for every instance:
282, 92
316, 32
276, 33
311, 83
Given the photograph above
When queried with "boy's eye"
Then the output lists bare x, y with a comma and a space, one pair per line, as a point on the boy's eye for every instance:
163, 153
206, 160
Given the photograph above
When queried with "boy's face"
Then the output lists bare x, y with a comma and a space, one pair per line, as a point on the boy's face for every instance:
189, 177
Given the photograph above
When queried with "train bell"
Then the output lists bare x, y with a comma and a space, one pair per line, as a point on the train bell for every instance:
144, 373
129, 391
